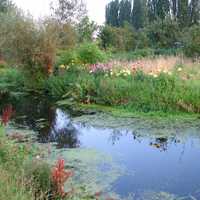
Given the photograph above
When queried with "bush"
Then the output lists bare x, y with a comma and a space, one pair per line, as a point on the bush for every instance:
12, 81
118, 38
192, 42
67, 58
89, 53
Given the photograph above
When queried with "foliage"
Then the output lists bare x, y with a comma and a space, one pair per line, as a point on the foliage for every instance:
133, 55
11, 82
139, 14
163, 34
86, 30
137, 92
124, 12
38, 176
118, 39
90, 53
112, 13
69, 11
192, 44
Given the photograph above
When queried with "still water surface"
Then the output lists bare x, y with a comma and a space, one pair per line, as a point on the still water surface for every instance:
169, 164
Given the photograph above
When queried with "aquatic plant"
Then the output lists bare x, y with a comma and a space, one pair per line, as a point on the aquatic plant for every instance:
59, 177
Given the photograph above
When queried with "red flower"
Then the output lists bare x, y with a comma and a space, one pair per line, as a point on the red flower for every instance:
60, 176
6, 115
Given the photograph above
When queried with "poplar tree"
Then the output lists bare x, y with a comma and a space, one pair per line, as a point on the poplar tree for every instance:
125, 12
183, 13
194, 12
139, 13
112, 13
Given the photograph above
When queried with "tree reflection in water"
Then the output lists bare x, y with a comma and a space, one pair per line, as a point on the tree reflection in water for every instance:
61, 131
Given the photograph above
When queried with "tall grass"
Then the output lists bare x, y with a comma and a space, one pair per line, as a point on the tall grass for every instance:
139, 92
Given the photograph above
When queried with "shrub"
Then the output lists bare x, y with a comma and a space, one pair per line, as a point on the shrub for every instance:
192, 42
67, 58
118, 38
89, 53
12, 82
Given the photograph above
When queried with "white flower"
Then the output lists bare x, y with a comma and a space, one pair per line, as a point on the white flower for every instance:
169, 73
179, 69
37, 157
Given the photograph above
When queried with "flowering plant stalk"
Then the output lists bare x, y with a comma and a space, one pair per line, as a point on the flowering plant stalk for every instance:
59, 177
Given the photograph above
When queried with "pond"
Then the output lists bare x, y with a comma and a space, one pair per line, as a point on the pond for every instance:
126, 158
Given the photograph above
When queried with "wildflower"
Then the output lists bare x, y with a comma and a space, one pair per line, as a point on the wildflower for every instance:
37, 157
6, 115
62, 66
60, 176
179, 69
169, 73
155, 75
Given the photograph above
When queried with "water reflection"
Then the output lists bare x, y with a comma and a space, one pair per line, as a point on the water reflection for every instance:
156, 163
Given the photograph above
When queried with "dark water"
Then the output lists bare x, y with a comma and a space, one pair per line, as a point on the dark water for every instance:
168, 164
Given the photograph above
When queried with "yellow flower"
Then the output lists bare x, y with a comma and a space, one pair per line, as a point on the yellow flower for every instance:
62, 66
155, 75
169, 73
179, 69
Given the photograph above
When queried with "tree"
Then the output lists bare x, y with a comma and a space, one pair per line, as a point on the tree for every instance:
194, 12
69, 11
118, 38
174, 8
29, 44
112, 13
192, 41
86, 29
4, 5
183, 12
139, 13
152, 7
158, 9
125, 12
163, 9
163, 33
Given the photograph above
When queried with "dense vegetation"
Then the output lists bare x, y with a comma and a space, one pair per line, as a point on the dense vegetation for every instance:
145, 23
144, 59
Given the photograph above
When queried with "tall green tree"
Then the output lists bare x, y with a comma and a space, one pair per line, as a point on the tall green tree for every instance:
158, 9
139, 13
125, 9
112, 13
194, 12
183, 12
163, 9
174, 8
4, 5
152, 7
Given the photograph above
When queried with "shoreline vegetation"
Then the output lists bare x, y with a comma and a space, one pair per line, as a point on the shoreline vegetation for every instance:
144, 62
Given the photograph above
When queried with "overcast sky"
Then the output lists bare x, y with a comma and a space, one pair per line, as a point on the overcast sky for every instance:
39, 8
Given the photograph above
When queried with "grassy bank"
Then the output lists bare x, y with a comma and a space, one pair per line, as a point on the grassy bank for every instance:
138, 92
12, 181
170, 90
